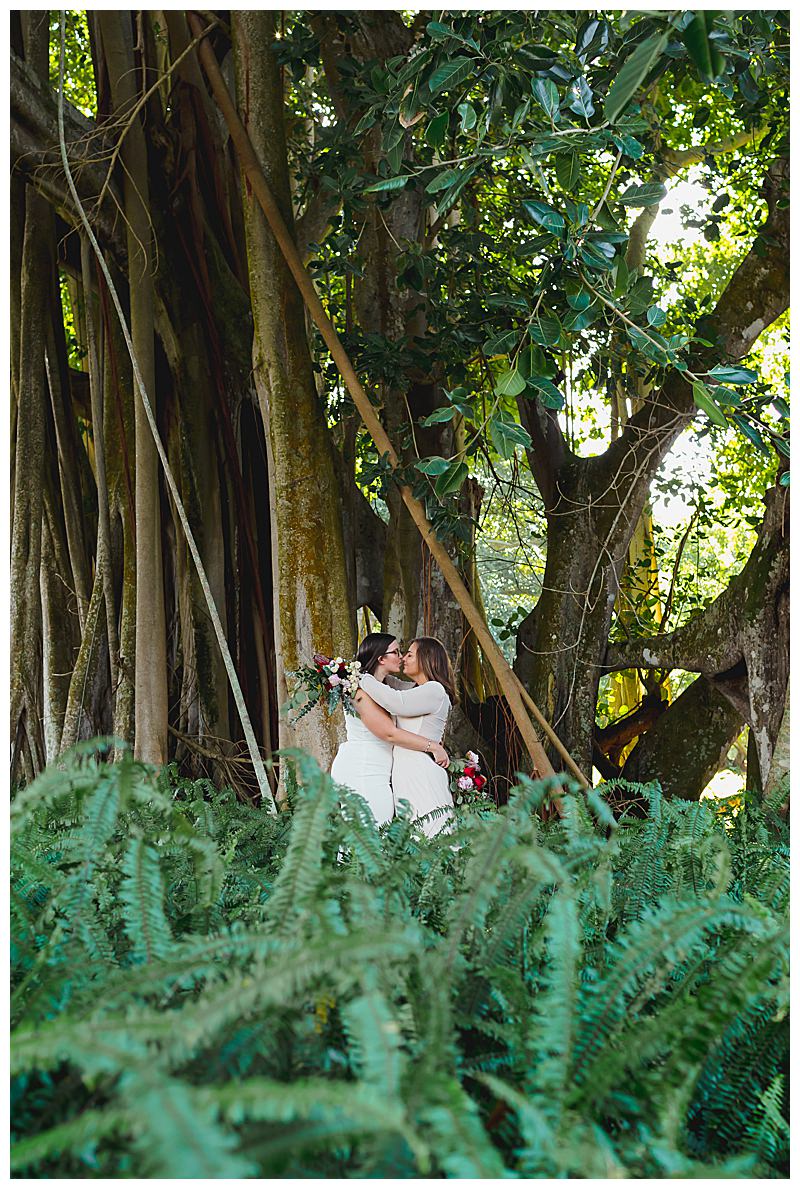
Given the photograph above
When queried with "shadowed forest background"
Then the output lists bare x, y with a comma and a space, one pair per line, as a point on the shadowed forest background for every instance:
555, 247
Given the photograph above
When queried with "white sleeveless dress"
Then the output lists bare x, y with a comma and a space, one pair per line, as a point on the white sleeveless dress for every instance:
363, 763
416, 778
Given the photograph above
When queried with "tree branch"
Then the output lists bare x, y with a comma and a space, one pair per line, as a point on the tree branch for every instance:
35, 154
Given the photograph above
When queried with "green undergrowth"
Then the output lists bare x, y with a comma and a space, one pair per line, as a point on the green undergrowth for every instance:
202, 989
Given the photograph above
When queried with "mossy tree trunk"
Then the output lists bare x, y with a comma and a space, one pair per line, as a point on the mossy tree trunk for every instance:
309, 571
151, 658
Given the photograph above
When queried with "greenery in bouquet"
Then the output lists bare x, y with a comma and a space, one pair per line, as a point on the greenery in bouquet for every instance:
327, 682
467, 783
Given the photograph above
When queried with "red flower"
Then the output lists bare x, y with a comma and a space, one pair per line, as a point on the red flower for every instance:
480, 781
469, 771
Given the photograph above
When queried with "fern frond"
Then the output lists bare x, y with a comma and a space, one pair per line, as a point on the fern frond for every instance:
76, 1136
142, 893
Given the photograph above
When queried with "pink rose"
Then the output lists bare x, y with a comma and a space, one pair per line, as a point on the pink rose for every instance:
334, 680
465, 783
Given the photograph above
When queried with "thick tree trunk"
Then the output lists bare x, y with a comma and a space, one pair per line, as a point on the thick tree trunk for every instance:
310, 574
151, 659
687, 744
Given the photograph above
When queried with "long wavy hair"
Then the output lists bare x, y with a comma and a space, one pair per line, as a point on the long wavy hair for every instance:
372, 648
432, 658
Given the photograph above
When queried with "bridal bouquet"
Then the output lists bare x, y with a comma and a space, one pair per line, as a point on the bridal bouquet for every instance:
330, 682
466, 781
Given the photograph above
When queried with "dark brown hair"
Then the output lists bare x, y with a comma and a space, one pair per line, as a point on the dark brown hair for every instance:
372, 648
432, 658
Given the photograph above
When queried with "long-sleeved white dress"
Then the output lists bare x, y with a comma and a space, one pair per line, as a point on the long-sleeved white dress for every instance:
416, 778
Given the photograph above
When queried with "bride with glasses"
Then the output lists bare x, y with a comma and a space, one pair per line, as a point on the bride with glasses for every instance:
364, 762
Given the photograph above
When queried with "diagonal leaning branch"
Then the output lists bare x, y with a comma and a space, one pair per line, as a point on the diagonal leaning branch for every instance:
509, 682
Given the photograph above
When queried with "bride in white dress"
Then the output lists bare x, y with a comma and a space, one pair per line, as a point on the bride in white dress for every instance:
363, 762
422, 709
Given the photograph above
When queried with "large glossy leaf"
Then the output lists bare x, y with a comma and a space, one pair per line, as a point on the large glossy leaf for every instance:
438, 416
632, 74
436, 132
545, 215
647, 195
730, 374
545, 329
510, 382
546, 93
451, 479
704, 52
450, 74
388, 184
568, 170
581, 99
705, 402
432, 466
442, 180
546, 391
506, 435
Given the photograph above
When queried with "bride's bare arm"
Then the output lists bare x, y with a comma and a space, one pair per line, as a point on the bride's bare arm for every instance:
381, 724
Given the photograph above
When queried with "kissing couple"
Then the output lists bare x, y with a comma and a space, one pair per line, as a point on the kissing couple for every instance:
393, 751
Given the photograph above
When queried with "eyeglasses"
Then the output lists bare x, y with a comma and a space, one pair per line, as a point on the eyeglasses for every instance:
392, 652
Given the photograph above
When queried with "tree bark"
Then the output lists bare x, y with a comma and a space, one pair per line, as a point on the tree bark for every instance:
151, 659
593, 504
310, 575
687, 744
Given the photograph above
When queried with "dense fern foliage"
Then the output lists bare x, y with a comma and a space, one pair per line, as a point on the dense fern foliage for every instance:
200, 989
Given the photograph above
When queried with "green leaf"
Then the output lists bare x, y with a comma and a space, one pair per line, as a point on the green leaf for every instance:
510, 383
581, 99
450, 74
546, 94
581, 300
726, 396
432, 466
784, 479
506, 435
546, 392
546, 216
750, 431
500, 344
442, 181
702, 50
648, 195
727, 374
621, 277
388, 184
632, 74
545, 329
469, 116
436, 132
438, 416
568, 170
450, 480
594, 257
438, 31
629, 146
656, 316
705, 402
